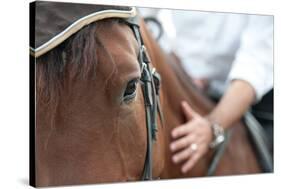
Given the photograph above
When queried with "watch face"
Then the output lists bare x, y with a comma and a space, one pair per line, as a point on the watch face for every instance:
220, 138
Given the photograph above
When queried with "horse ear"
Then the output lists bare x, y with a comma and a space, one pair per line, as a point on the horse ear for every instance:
188, 111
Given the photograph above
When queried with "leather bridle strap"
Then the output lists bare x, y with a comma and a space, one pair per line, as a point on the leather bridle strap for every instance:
149, 79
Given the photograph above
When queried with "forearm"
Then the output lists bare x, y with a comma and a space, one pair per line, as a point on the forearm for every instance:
234, 103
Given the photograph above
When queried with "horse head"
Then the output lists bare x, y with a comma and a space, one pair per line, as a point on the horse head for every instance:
91, 122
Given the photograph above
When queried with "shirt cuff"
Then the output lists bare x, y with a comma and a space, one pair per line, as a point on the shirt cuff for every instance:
258, 75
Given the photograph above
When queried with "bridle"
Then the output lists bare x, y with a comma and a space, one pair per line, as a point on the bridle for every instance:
150, 88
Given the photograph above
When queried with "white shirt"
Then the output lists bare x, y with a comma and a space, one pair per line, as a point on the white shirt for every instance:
221, 47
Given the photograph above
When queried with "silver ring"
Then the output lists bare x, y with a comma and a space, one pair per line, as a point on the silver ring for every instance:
193, 147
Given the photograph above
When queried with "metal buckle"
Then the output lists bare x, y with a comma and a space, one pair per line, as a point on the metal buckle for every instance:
218, 135
143, 66
145, 55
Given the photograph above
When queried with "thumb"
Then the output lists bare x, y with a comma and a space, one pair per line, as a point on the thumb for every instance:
188, 111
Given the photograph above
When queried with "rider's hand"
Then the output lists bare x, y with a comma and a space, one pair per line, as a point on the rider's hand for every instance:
192, 139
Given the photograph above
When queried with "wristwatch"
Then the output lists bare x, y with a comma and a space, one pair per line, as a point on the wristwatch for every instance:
218, 135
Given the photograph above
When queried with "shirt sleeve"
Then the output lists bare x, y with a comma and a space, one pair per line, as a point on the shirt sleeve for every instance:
164, 16
254, 59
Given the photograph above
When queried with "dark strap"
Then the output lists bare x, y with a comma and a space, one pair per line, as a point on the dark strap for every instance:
145, 78
157, 81
260, 140
150, 87
218, 154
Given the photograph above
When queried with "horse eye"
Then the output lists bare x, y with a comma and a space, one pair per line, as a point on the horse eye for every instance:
130, 91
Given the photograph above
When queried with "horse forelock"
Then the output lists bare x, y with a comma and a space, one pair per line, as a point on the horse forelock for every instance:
75, 57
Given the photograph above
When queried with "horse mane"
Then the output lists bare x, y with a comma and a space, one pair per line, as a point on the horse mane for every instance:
51, 67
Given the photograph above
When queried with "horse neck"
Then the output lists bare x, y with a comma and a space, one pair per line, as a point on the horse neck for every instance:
176, 85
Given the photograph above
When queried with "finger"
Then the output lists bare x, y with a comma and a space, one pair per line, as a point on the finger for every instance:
182, 155
188, 111
191, 162
182, 143
182, 130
